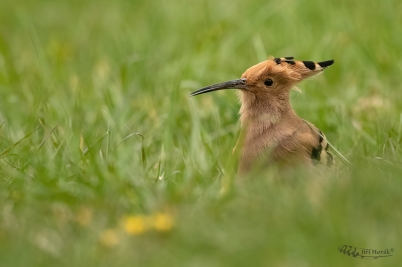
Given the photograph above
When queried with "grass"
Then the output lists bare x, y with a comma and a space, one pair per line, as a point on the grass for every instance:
106, 161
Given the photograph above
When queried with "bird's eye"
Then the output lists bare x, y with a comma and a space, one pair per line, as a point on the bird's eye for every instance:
269, 82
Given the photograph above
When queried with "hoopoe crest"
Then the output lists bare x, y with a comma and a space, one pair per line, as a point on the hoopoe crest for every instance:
270, 129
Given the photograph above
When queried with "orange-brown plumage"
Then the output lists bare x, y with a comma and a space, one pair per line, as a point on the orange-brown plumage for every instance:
270, 129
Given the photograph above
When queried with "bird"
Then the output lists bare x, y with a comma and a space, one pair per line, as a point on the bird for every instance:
270, 130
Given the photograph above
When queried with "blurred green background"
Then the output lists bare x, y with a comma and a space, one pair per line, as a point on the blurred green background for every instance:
106, 161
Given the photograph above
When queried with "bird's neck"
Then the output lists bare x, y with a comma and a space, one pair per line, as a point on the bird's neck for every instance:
264, 110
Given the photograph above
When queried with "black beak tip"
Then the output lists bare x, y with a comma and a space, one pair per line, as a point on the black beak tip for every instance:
195, 93
234, 84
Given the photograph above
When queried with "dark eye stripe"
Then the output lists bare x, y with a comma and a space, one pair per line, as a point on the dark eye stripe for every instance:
309, 64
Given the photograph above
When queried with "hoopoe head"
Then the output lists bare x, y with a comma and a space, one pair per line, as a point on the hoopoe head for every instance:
270, 78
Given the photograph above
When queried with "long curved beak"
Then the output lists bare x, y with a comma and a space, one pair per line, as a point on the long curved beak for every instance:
234, 84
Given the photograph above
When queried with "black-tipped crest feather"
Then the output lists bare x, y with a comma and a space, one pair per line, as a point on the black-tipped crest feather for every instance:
309, 64
325, 64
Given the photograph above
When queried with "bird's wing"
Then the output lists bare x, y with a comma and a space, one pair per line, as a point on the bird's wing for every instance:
319, 147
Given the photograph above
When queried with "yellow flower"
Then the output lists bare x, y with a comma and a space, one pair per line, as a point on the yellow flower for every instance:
162, 222
109, 238
135, 225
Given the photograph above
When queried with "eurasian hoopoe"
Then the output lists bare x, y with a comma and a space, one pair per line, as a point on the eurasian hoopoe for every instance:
270, 129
